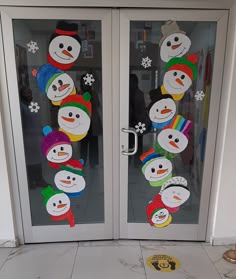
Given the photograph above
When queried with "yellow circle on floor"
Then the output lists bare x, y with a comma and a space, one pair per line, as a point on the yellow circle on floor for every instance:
163, 263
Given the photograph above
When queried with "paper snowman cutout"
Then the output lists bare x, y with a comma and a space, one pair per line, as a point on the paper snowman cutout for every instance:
156, 169
174, 138
74, 116
56, 147
55, 83
161, 111
174, 42
70, 179
58, 205
65, 45
180, 72
175, 192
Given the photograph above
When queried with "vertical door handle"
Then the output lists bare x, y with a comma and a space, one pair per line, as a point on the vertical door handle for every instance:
133, 150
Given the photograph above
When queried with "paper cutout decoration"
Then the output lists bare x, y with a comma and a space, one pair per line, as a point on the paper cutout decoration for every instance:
56, 147
58, 205
70, 179
32, 47
174, 193
180, 72
163, 263
89, 79
34, 107
174, 42
174, 138
64, 47
74, 116
158, 216
156, 169
53, 82
162, 111
140, 128
146, 62
199, 96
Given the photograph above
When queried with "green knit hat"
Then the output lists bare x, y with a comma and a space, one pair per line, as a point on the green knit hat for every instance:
48, 193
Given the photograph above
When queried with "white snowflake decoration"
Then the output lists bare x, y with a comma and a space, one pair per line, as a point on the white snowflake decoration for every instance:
140, 128
199, 96
32, 47
146, 62
89, 79
34, 107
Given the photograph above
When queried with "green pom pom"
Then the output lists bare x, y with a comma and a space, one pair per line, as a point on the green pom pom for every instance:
86, 96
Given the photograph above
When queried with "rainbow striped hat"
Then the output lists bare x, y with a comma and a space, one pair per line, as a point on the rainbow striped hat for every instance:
149, 155
180, 124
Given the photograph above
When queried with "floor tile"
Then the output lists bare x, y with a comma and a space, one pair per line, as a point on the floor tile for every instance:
44, 261
168, 243
109, 243
114, 262
194, 262
226, 269
4, 253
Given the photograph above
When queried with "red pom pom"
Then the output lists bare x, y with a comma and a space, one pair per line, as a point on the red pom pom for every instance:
192, 58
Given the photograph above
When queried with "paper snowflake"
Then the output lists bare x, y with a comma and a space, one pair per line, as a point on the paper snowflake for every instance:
32, 47
34, 107
89, 79
140, 127
146, 62
199, 96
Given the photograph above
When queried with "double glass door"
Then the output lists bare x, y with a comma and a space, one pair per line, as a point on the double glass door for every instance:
60, 73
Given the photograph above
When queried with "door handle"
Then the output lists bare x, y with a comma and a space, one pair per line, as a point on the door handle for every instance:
134, 150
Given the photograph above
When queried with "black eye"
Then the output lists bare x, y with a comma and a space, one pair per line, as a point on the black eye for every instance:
54, 150
152, 170
182, 77
77, 115
61, 45
157, 110
160, 166
170, 136
165, 107
69, 48
54, 204
168, 43
176, 39
62, 148
68, 177
175, 74
73, 178
54, 87
176, 140
70, 114
60, 82
60, 201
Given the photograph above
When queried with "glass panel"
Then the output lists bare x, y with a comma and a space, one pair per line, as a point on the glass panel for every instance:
50, 72
155, 74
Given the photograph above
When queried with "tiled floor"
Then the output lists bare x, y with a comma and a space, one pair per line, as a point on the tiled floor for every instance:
121, 259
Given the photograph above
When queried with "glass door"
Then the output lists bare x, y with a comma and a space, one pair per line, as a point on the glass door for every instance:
170, 84
58, 70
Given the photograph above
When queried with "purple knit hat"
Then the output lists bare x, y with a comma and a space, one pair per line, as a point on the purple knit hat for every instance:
52, 138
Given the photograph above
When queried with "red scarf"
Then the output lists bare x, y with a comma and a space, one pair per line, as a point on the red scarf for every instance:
59, 65
68, 215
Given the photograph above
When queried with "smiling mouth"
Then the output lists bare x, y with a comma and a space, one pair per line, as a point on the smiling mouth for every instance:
65, 186
72, 127
178, 54
179, 88
159, 176
61, 57
162, 217
60, 210
60, 159
174, 202
56, 96
163, 117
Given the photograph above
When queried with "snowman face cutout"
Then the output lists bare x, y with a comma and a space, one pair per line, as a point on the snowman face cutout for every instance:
176, 82
175, 45
162, 111
158, 169
58, 204
60, 153
73, 120
172, 140
175, 195
69, 182
64, 49
161, 216
61, 87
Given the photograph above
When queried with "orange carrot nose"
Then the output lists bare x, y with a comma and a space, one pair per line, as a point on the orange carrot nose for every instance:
65, 181
173, 144
64, 86
176, 46
68, 119
179, 81
61, 205
177, 198
67, 53
162, 216
165, 111
62, 153
161, 171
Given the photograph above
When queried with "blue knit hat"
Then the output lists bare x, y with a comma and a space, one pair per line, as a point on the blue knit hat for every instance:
45, 75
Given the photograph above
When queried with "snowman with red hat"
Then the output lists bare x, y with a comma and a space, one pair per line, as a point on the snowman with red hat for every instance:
64, 47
